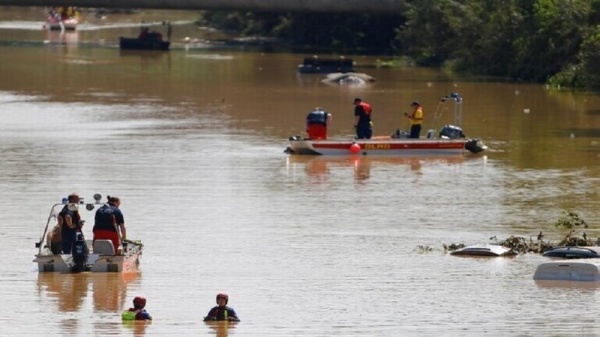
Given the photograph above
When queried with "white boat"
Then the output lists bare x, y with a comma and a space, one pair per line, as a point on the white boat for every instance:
450, 140
581, 270
103, 256
483, 250
387, 146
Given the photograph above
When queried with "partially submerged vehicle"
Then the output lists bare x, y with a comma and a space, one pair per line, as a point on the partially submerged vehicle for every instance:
483, 250
570, 264
102, 256
573, 252
582, 270
317, 65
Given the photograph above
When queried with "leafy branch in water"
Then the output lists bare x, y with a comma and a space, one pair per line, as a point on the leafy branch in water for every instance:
570, 219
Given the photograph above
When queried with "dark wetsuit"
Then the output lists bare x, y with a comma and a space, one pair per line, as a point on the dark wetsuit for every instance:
363, 127
105, 220
218, 313
68, 234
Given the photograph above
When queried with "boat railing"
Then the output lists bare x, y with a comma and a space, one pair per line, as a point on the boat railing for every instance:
457, 112
55, 210
53, 214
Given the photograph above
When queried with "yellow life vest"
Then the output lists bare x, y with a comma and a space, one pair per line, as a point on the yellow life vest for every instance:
128, 315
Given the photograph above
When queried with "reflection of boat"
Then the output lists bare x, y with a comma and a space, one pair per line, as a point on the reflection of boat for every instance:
136, 43
450, 141
103, 256
314, 64
483, 250
318, 167
69, 290
343, 161
147, 40
70, 38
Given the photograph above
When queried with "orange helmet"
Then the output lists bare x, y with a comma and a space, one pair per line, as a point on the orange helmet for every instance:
224, 296
139, 302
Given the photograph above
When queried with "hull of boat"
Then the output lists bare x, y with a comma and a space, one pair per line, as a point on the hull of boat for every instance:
69, 25
387, 147
142, 44
63, 263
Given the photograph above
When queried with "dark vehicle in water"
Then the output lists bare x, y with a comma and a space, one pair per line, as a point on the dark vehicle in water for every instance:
316, 65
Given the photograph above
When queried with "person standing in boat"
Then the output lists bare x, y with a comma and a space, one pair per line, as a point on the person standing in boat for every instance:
137, 313
70, 222
108, 221
416, 119
317, 122
362, 119
221, 312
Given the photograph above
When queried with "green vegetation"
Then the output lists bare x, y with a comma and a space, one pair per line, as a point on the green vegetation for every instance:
567, 220
544, 41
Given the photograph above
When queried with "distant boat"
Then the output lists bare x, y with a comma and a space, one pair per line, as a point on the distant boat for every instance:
62, 18
103, 257
146, 40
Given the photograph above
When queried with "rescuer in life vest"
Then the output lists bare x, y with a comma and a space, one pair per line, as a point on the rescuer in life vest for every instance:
317, 122
221, 312
137, 313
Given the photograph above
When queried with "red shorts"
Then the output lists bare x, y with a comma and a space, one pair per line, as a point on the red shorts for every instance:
101, 234
317, 131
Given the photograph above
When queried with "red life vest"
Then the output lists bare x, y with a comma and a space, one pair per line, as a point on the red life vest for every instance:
366, 108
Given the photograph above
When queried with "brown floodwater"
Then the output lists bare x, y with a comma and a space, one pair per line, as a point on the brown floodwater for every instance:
192, 141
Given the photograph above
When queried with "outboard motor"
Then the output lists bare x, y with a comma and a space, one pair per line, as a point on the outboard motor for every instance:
475, 145
399, 133
451, 132
80, 253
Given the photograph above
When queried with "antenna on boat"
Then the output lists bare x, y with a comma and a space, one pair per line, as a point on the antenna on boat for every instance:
457, 106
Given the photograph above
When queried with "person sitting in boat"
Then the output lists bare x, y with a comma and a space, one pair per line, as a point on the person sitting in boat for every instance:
221, 312
144, 33
416, 119
317, 122
70, 222
109, 223
137, 313
80, 253
53, 239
